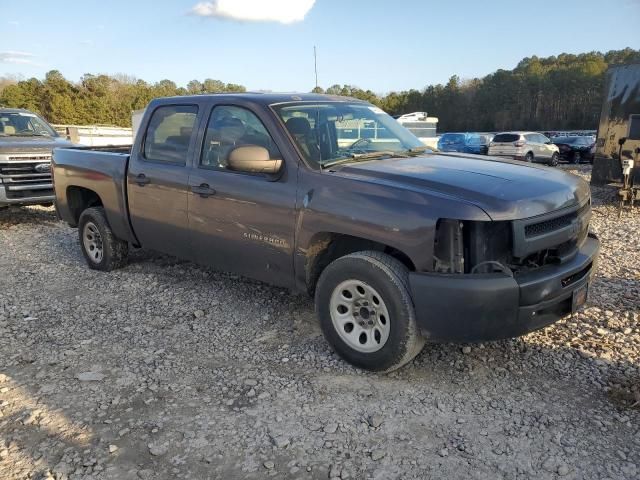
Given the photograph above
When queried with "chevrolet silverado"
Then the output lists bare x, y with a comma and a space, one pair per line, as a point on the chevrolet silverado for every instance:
399, 245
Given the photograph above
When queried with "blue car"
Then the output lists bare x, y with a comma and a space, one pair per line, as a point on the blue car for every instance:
477, 143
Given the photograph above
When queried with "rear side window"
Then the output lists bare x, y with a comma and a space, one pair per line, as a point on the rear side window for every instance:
506, 138
169, 133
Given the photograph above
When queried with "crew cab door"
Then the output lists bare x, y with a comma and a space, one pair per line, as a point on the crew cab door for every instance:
242, 222
158, 177
547, 148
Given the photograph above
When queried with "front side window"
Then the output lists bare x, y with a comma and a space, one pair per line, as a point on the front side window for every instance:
169, 133
328, 132
230, 127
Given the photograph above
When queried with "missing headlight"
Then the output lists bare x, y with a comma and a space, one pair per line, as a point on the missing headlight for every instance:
448, 251
472, 247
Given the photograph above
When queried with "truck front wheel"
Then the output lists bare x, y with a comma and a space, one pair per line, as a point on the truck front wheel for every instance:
366, 312
101, 248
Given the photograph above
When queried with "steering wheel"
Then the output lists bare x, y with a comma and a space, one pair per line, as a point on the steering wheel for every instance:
361, 142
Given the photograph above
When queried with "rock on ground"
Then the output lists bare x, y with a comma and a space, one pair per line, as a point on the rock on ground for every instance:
183, 369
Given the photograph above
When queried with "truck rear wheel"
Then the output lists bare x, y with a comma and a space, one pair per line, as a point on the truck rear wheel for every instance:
366, 312
101, 248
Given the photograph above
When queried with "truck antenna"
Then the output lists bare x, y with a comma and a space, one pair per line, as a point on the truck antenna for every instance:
315, 63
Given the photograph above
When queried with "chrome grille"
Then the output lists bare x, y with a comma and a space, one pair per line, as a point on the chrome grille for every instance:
30, 158
26, 176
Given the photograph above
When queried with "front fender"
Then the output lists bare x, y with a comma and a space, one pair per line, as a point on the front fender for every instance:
401, 218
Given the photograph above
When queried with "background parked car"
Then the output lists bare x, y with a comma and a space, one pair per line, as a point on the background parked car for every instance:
526, 146
464, 142
575, 149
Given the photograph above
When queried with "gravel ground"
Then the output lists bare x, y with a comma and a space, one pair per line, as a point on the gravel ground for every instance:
168, 370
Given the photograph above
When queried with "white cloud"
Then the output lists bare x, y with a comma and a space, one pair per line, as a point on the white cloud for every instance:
14, 23
281, 11
12, 56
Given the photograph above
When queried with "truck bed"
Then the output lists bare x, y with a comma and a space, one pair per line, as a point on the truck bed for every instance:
99, 170
105, 149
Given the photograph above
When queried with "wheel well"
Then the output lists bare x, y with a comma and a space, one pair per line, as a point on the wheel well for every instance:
326, 247
79, 199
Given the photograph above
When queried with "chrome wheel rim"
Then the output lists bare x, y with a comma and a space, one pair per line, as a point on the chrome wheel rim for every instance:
360, 316
92, 241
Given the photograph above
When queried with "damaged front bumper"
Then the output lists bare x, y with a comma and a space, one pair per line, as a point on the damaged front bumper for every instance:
482, 307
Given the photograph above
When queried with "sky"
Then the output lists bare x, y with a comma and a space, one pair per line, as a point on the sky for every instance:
268, 44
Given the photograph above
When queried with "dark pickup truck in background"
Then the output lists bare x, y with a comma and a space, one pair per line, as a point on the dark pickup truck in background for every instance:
26, 143
398, 244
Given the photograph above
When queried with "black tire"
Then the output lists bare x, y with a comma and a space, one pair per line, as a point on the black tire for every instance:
575, 158
114, 251
528, 157
389, 277
553, 161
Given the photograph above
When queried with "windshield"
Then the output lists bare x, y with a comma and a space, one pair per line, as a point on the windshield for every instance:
569, 140
476, 140
24, 124
452, 138
328, 132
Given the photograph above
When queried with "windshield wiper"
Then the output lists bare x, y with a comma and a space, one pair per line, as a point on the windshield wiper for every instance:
418, 150
361, 157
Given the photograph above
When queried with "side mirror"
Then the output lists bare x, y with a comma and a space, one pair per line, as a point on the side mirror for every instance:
253, 159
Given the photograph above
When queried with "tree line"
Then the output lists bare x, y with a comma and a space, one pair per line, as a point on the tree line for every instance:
96, 99
557, 92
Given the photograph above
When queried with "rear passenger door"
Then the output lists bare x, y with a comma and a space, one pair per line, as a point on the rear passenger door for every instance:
157, 180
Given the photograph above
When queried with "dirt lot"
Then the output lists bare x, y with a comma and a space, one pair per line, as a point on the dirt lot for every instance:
168, 370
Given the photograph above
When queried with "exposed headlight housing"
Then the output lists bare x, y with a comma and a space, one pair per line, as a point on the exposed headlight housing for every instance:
472, 247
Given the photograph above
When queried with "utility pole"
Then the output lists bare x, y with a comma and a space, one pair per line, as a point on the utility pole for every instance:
315, 63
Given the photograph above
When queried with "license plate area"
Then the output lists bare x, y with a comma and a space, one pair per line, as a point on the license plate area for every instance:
580, 296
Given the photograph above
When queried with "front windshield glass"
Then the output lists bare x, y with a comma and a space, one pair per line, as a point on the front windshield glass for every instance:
24, 124
329, 132
569, 140
452, 138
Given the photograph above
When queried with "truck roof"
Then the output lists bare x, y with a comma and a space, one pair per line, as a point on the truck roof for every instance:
267, 98
14, 110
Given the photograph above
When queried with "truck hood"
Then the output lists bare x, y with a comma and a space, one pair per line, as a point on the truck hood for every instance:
31, 144
504, 189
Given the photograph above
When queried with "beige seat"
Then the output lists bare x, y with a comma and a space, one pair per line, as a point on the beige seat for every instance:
9, 130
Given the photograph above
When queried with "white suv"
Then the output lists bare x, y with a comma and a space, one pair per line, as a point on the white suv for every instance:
527, 146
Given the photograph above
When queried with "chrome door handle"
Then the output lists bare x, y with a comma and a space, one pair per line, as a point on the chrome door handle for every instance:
203, 190
142, 180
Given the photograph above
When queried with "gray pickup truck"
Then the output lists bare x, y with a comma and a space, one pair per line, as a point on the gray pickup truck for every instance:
329, 195
26, 142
